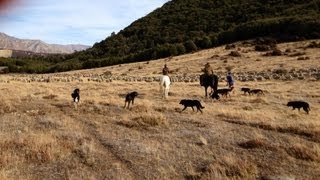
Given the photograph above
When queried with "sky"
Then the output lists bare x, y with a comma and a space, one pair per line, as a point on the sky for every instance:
72, 21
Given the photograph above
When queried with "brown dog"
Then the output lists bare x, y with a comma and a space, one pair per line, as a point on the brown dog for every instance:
256, 91
224, 92
245, 90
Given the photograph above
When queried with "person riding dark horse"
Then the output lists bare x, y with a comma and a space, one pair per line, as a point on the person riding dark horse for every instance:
208, 79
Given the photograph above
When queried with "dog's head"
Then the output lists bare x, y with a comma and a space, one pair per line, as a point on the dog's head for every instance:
290, 103
183, 101
76, 91
134, 93
245, 89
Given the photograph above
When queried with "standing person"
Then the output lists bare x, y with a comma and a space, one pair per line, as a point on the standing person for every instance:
230, 81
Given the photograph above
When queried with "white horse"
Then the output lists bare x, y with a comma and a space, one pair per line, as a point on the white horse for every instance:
165, 85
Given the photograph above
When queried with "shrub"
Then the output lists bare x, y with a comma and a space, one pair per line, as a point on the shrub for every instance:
262, 47
235, 54
190, 46
148, 119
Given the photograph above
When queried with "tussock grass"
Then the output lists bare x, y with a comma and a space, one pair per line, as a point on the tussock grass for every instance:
150, 119
302, 152
251, 144
51, 96
228, 166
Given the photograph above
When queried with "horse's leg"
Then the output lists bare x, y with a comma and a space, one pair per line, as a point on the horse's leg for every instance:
161, 89
205, 90
166, 93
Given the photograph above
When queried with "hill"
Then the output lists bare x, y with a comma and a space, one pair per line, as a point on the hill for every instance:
37, 46
184, 26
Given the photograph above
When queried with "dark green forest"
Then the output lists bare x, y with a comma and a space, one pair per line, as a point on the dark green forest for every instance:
184, 26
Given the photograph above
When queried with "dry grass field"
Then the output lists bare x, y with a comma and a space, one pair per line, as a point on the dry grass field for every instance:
44, 136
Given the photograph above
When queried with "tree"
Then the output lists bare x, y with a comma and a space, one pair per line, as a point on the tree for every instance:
190, 46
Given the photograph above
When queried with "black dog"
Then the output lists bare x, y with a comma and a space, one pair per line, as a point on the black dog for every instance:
245, 90
299, 104
76, 95
224, 92
191, 103
130, 98
256, 91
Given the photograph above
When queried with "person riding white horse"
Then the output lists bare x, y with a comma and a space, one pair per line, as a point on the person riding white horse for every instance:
165, 82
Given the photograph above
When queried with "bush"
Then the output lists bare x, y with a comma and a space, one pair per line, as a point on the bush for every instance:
230, 46
190, 46
275, 52
235, 54
262, 47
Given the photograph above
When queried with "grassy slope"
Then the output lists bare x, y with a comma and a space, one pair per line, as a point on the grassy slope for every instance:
45, 136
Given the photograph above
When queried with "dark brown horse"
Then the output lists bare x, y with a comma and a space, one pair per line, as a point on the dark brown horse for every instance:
210, 81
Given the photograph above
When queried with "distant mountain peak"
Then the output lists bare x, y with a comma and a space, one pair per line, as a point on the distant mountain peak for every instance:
37, 46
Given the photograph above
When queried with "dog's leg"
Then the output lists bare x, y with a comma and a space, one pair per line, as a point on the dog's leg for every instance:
306, 110
184, 108
200, 110
75, 105
125, 104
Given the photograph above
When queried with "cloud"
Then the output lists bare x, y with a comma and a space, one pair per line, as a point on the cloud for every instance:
69, 21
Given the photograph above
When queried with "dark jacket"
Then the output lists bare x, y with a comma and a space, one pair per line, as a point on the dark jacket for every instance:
165, 70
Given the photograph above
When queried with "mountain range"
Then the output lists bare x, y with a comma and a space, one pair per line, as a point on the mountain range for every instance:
37, 46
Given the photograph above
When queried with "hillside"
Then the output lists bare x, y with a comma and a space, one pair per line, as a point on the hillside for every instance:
45, 136
37, 46
183, 26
